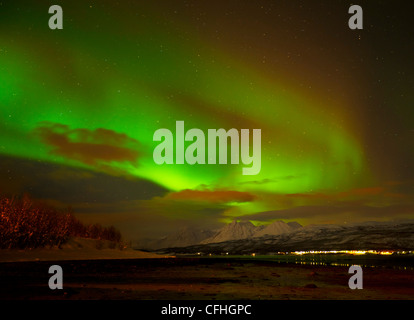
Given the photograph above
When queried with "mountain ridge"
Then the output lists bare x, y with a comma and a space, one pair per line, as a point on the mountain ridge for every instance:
236, 230
368, 236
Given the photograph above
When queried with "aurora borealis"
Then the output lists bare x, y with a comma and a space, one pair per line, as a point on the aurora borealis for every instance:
79, 107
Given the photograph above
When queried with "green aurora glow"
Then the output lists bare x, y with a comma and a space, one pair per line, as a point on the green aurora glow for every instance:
131, 69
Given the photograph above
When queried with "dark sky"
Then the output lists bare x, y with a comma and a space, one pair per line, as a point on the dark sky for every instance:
79, 106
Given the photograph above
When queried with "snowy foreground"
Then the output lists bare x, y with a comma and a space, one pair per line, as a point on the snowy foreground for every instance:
75, 249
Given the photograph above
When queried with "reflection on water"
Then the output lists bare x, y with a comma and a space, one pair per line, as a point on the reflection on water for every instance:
347, 264
398, 262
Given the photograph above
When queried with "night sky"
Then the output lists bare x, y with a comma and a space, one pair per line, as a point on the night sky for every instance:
79, 107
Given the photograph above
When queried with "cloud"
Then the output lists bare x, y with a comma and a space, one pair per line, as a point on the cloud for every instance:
267, 180
387, 201
212, 196
91, 147
154, 217
70, 185
137, 206
337, 213
376, 194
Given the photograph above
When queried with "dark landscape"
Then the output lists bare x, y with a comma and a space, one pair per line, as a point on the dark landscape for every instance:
206, 279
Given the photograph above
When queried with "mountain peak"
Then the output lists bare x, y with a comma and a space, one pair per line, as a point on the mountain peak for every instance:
233, 231
275, 228
236, 230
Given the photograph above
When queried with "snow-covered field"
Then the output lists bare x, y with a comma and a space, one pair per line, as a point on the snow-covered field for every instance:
75, 249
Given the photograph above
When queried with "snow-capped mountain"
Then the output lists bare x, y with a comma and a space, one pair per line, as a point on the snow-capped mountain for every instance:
294, 225
364, 236
275, 228
233, 231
